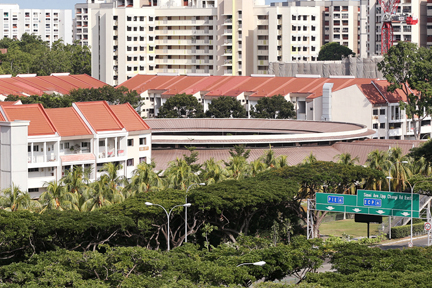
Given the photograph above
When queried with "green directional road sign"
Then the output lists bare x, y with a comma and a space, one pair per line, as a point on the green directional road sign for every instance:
370, 202
387, 200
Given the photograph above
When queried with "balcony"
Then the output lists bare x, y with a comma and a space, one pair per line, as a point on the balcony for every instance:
110, 153
262, 42
183, 42
263, 62
184, 61
262, 32
263, 52
185, 23
182, 32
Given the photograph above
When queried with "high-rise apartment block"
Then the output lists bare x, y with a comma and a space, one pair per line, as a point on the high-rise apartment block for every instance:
230, 37
50, 24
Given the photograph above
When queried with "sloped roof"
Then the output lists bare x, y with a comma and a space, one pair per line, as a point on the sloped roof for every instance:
372, 94
99, 116
39, 84
215, 86
40, 123
392, 97
129, 117
67, 122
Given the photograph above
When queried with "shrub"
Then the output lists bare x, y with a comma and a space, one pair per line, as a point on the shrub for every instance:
404, 231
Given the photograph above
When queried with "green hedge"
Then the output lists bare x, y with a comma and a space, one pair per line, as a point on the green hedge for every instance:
404, 231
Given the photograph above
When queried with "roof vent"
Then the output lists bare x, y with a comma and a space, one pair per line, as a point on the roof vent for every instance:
198, 74
6, 76
342, 76
308, 76
263, 75
26, 75
168, 74
60, 74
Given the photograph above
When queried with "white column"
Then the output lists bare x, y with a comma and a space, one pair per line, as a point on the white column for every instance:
106, 147
31, 160
44, 152
115, 147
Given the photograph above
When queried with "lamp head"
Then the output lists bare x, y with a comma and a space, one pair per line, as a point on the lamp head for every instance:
404, 162
260, 263
148, 204
187, 205
389, 177
202, 184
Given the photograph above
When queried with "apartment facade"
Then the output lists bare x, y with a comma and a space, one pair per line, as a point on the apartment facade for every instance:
50, 24
61, 138
401, 30
233, 37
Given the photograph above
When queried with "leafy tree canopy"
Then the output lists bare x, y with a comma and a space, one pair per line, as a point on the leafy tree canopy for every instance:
181, 105
408, 68
275, 107
33, 55
334, 51
226, 107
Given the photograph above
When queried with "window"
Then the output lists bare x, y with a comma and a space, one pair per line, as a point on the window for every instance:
30, 190
85, 144
143, 141
382, 112
382, 125
35, 148
375, 126
102, 143
130, 162
375, 112
143, 159
33, 170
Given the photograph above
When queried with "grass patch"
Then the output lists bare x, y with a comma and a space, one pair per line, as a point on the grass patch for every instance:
349, 227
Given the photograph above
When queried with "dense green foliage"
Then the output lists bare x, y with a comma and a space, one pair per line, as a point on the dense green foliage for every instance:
186, 266
408, 67
108, 93
226, 107
405, 231
334, 51
181, 105
362, 266
33, 55
275, 107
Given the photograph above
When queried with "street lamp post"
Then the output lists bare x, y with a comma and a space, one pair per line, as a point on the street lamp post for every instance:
260, 263
187, 190
389, 177
168, 217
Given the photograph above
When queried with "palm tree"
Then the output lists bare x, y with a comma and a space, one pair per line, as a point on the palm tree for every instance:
56, 197
309, 159
13, 199
377, 160
238, 168
346, 159
97, 195
213, 172
74, 180
399, 171
268, 158
257, 166
282, 161
144, 179
179, 175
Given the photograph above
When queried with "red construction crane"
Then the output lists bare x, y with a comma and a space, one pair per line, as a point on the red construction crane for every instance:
388, 15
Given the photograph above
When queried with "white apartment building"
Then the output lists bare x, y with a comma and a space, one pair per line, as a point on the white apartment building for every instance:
232, 37
59, 139
50, 24
402, 31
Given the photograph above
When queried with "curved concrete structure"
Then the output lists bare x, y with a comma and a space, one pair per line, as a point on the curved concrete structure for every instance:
201, 132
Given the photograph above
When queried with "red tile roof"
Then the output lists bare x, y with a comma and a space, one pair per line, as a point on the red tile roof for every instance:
40, 84
7, 103
215, 86
1, 117
67, 122
40, 123
129, 117
99, 116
